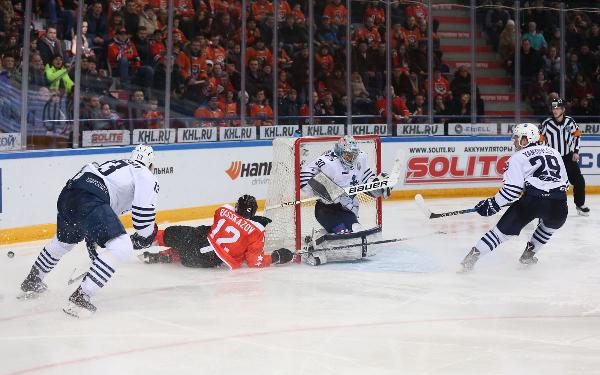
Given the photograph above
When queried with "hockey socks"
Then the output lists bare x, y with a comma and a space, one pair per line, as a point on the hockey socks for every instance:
541, 236
491, 240
50, 256
98, 275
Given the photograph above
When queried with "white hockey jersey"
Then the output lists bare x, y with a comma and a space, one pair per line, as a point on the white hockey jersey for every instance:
539, 166
342, 175
131, 187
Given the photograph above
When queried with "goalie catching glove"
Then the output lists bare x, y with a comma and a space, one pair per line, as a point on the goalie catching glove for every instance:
384, 192
140, 242
281, 256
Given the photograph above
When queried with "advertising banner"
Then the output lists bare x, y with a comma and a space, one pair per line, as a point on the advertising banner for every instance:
323, 130
194, 135
237, 133
98, 138
10, 141
473, 129
369, 129
153, 136
590, 129
419, 129
270, 132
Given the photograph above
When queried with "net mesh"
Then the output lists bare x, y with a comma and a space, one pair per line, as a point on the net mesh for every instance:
285, 229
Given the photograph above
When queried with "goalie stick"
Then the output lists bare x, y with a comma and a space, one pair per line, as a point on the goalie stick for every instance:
420, 201
388, 182
400, 239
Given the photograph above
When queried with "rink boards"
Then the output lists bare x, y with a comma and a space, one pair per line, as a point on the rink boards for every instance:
196, 178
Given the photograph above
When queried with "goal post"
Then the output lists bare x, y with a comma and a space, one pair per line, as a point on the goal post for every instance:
292, 223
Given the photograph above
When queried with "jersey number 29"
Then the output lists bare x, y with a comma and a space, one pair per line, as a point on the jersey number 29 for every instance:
548, 167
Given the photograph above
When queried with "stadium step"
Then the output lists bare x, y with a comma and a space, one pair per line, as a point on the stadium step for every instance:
503, 106
493, 80
465, 49
452, 20
462, 56
496, 89
504, 98
479, 64
509, 114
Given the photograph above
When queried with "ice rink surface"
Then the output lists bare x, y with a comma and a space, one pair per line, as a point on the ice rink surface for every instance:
404, 311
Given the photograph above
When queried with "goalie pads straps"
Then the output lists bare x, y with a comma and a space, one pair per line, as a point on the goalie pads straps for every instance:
325, 188
342, 247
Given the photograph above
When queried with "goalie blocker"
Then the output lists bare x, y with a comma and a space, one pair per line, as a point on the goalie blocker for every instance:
323, 248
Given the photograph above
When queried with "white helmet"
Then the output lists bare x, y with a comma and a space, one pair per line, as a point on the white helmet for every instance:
346, 150
143, 154
528, 130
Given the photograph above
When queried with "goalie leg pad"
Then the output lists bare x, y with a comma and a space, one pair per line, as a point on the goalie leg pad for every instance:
353, 247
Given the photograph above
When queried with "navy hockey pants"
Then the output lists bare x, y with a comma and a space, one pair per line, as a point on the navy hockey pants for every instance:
552, 211
85, 213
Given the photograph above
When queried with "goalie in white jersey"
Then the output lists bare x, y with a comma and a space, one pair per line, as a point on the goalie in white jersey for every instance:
536, 181
88, 206
346, 165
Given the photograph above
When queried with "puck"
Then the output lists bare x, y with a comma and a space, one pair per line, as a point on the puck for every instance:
10, 254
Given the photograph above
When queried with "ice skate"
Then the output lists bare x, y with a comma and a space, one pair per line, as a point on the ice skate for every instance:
469, 262
583, 210
528, 257
79, 305
32, 286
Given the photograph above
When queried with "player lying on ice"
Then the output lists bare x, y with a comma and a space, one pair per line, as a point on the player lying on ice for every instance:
237, 235
536, 181
343, 166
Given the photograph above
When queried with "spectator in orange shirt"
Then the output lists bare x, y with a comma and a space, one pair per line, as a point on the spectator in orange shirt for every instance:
400, 112
375, 10
260, 9
299, 16
154, 118
123, 56
419, 11
283, 11
215, 51
337, 12
211, 111
441, 86
230, 108
261, 110
260, 53
325, 61
369, 33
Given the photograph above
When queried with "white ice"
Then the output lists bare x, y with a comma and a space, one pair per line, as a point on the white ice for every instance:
405, 311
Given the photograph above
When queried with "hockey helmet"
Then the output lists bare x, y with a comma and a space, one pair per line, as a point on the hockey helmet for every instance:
246, 206
143, 154
527, 130
346, 150
557, 103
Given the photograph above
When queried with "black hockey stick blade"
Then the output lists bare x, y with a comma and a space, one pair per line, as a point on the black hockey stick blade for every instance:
420, 201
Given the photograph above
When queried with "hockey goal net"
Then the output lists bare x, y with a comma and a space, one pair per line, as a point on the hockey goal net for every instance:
292, 223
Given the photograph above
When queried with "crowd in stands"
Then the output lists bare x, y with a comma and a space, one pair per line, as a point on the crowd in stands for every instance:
540, 58
123, 67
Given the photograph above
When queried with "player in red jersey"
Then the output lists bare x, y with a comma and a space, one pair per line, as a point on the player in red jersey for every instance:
236, 236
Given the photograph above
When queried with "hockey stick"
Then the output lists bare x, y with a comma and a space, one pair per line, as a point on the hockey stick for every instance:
388, 182
432, 215
72, 280
400, 239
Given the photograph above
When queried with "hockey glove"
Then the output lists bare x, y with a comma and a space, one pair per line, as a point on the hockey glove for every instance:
140, 242
281, 256
487, 207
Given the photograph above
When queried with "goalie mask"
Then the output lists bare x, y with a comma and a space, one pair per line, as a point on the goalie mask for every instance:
346, 150
530, 131
246, 206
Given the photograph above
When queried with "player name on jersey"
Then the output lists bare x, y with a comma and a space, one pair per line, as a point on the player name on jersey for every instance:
323, 130
153, 136
95, 138
191, 135
239, 221
238, 133
420, 129
271, 132
369, 129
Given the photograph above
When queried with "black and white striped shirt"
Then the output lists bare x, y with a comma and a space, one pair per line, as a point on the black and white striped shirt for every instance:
564, 137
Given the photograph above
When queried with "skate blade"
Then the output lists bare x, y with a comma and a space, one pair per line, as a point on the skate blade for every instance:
585, 214
76, 311
28, 295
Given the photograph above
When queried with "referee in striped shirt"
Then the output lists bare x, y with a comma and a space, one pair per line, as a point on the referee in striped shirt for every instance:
562, 133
